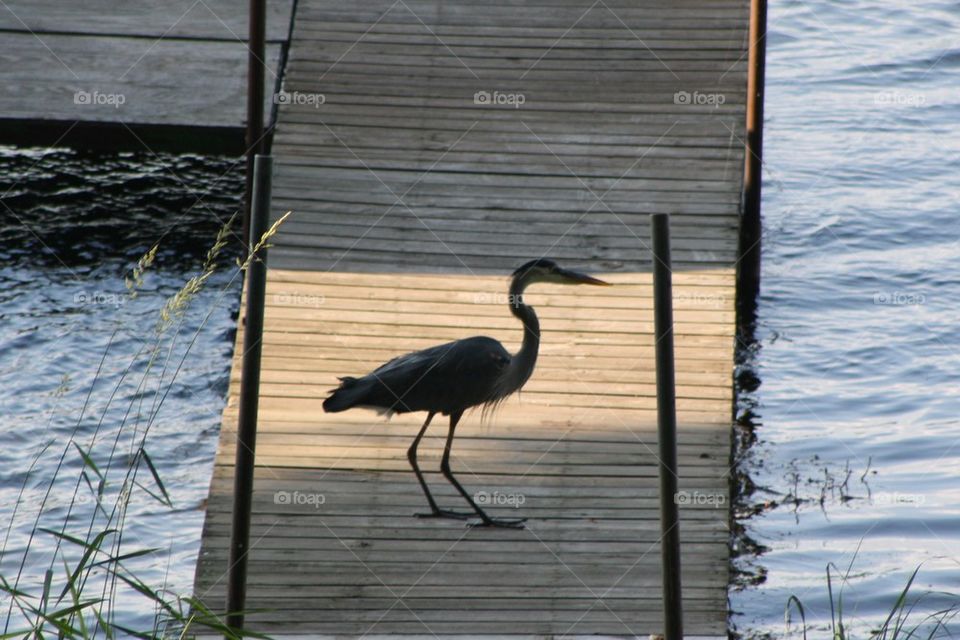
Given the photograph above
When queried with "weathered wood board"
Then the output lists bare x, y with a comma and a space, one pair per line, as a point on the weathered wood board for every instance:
133, 63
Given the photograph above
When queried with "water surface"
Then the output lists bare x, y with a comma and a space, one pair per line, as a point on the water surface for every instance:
858, 350
75, 353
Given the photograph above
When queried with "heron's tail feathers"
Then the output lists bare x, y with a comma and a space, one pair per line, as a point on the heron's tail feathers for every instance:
348, 394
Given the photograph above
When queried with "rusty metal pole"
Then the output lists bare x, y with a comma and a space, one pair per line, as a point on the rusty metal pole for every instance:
751, 225
256, 282
666, 427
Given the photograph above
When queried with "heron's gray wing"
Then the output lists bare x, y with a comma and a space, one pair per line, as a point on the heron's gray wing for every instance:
410, 363
446, 378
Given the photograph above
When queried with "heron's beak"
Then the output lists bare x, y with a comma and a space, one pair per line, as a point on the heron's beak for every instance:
574, 277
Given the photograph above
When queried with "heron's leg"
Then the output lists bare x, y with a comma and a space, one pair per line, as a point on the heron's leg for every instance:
435, 511
486, 520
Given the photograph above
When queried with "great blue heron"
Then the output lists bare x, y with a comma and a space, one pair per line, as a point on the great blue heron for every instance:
453, 377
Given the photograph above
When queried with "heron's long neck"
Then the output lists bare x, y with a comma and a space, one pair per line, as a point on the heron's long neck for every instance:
523, 362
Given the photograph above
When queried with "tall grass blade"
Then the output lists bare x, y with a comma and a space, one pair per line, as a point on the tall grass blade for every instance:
139, 586
89, 549
75, 598
833, 613
159, 498
211, 620
13, 591
127, 556
74, 608
47, 581
156, 477
899, 605
75, 540
88, 461
133, 633
803, 614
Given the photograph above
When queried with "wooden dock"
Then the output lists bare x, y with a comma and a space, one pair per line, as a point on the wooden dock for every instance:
456, 140
169, 67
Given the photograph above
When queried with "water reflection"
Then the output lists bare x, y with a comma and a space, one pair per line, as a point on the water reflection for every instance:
81, 361
854, 436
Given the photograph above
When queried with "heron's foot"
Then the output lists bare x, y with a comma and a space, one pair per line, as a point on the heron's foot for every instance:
507, 523
446, 513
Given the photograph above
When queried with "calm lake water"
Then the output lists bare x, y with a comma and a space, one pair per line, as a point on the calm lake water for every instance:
74, 352
857, 349
858, 341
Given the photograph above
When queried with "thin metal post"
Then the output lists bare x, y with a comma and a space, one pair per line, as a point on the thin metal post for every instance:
256, 282
256, 59
666, 427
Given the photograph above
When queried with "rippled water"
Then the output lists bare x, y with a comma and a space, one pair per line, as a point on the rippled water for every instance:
74, 352
857, 451
858, 342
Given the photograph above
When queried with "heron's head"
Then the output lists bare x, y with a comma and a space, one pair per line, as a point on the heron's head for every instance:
545, 270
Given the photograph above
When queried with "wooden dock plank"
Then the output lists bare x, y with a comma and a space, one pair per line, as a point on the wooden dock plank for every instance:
207, 20
412, 201
136, 63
